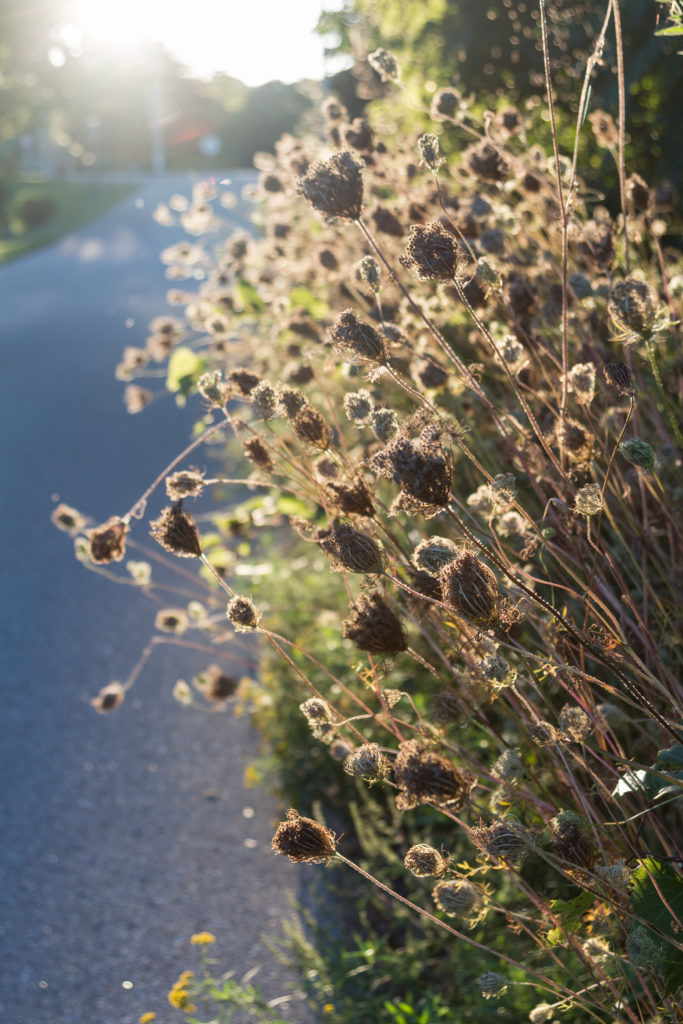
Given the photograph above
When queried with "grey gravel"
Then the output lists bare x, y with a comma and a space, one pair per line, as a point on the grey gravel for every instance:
123, 834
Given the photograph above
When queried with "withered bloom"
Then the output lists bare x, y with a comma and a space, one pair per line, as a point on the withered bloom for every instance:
471, 589
304, 840
243, 381
571, 841
187, 483
356, 339
637, 193
432, 253
135, 398
334, 187
175, 530
632, 306
108, 542
310, 426
367, 762
503, 839
421, 466
373, 626
68, 519
486, 161
353, 550
216, 685
257, 453
291, 399
242, 612
445, 105
109, 698
351, 499
423, 776
457, 897
619, 376
423, 860
597, 243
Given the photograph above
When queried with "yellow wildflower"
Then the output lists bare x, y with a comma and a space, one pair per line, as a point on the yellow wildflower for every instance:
146, 1018
328, 1008
178, 996
202, 939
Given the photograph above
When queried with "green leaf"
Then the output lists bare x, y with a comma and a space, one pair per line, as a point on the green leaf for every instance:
248, 299
303, 298
674, 30
658, 911
291, 506
570, 913
185, 368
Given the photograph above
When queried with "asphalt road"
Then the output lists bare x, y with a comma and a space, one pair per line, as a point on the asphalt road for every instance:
120, 835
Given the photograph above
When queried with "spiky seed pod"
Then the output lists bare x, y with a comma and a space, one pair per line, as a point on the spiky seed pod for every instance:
638, 453
574, 723
571, 842
358, 406
373, 626
428, 148
424, 776
108, 541
351, 500
581, 379
257, 452
619, 376
356, 339
367, 762
354, 551
384, 423
369, 272
471, 589
188, 483
457, 898
216, 686
310, 426
432, 253
243, 614
175, 530
588, 500
422, 466
304, 840
334, 187
171, 620
316, 710
109, 698
433, 553
424, 861
486, 162
503, 839
326, 468
492, 984
292, 400
632, 306
509, 768
385, 64
68, 519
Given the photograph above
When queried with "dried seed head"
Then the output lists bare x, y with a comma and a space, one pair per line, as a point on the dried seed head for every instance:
353, 550
369, 272
304, 840
108, 542
175, 530
604, 129
428, 148
188, 483
141, 572
492, 985
340, 750
619, 376
242, 382
334, 187
291, 399
638, 195
499, 672
445, 105
487, 274
373, 626
543, 734
471, 589
109, 698
310, 426
457, 898
385, 64
354, 500
136, 398
574, 723
447, 706
433, 553
384, 423
242, 612
265, 400
358, 405
216, 685
486, 162
432, 253
358, 135
211, 386
596, 244
581, 379
423, 860
505, 840
542, 1012
333, 110
638, 453
171, 620
632, 306
367, 762
356, 339
319, 717
426, 584
509, 768
588, 500
423, 468
571, 841
423, 776
68, 519
257, 452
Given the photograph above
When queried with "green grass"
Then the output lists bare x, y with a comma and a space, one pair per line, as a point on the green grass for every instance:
75, 204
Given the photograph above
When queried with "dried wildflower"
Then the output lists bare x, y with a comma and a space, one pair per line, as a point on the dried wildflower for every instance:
264, 400
424, 861
367, 762
514, 354
242, 612
509, 768
426, 584
109, 698
616, 875
632, 306
471, 589
352, 500
135, 398
499, 672
486, 161
445, 105
596, 243
581, 379
310, 426
421, 466
542, 1012
359, 135
570, 840
447, 706
141, 572
432, 553
574, 723
171, 620
188, 483
340, 750
492, 984
319, 717
424, 776
432, 253
257, 452
638, 453
520, 293
304, 840
333, 110
334, 187
242, 381
215, 684
543, 734
108, 542
212, 387
292, 400
428, 148
588, 500
638, 195
487, 274
373, 626
369, 272
505, 839
386, 222
385, 64
175, 530
358, 405
353, 550
356, 339
457, 898
384, 423
68, 519
326, 468
604, 129
619, 376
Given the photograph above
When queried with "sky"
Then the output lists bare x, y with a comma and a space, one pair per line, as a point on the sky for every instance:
253, 40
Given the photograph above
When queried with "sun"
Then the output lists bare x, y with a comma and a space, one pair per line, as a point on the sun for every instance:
123, 24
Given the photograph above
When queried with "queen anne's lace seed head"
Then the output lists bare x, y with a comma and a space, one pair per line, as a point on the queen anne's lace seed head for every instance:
304, 840
334, 187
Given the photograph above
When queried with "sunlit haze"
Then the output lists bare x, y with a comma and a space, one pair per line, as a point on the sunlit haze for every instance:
254, 40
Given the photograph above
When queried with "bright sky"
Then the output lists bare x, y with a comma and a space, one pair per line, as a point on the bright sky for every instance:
254, 40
